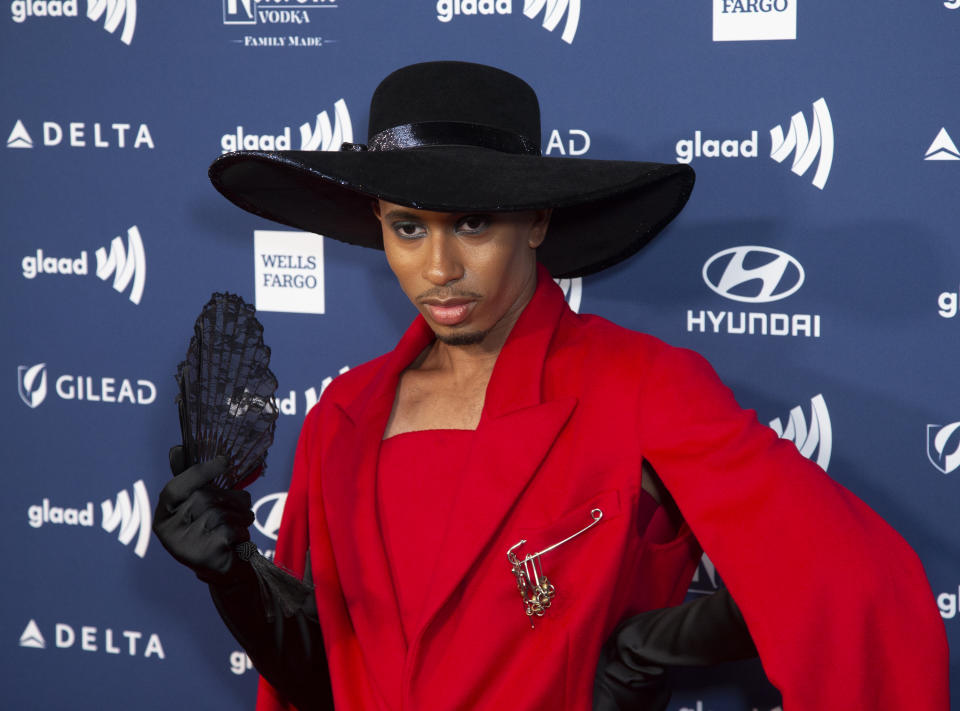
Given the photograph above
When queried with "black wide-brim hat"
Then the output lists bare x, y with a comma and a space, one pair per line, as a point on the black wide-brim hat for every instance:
461, 137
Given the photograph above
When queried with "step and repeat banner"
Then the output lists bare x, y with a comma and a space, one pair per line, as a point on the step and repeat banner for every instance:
817, 266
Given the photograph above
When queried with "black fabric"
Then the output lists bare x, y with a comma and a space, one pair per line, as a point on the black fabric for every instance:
604, 211
704, 631
285, 647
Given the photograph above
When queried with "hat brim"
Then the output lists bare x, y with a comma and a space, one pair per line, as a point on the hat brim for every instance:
603, 211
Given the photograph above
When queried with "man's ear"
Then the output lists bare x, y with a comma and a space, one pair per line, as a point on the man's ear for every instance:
538, 229
375, 206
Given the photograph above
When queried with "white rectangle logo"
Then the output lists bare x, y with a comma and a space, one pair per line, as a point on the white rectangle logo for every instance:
288, 271
743, 20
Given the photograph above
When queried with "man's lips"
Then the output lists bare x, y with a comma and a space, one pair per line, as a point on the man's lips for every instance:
449, 312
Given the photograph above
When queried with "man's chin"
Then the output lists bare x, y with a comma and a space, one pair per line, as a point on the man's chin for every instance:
470, 338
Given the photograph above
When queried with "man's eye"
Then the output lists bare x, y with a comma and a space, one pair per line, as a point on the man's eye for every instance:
473, 223
409, 230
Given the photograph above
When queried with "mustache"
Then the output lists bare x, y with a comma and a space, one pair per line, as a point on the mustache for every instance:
439, 292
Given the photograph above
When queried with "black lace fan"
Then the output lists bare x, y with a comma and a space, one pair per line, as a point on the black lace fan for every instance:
226, 400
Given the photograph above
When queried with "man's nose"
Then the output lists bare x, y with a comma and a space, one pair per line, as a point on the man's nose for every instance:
443, 263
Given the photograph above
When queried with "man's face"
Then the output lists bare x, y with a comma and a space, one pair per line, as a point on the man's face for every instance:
469, 274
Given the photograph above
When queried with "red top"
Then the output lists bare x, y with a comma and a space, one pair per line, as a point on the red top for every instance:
417, 478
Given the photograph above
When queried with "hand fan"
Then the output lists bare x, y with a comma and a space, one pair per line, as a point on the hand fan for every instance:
226, 400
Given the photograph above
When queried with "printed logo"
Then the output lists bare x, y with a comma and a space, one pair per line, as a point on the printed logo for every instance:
288, 271
943, 447
288, 405
31, 637
806, 145
951, 4
947, 303
240, 662
268, 512
93, 639
572, 291
753, 274
126, 265
578, 143
82, 135
321, 136
113, 12
254, 14
130, 517
19, 138
817, 438
554, 11
947, 602
745, 20
942, 148
32, 383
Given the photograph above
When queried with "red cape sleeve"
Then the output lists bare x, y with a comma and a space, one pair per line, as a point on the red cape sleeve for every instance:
856, 626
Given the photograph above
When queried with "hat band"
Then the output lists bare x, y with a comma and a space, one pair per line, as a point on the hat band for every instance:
445, 133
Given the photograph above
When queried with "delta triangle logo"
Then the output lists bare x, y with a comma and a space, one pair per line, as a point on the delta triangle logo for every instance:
942, 148
31, 637
19, 138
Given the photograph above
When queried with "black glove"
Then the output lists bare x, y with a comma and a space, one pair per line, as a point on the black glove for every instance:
201, 524
704, 631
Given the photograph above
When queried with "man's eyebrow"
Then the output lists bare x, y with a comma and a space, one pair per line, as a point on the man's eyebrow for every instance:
399, 214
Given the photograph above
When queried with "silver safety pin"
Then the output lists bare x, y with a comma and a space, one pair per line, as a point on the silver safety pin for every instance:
536, 590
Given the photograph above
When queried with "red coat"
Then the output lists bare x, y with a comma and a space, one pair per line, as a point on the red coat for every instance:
574, 405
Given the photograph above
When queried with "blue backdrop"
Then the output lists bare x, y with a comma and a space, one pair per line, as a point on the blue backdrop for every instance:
817, 266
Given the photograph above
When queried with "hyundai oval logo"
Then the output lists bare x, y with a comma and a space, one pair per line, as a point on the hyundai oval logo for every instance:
753, 274
268, 512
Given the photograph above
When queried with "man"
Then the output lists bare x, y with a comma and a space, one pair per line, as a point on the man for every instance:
481, 507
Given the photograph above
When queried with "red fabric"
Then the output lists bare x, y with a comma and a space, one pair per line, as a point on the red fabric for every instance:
573, 407
416, 476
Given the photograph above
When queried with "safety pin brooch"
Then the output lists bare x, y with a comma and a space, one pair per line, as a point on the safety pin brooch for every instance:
535, 587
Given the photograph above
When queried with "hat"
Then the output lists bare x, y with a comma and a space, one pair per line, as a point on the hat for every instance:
461, 137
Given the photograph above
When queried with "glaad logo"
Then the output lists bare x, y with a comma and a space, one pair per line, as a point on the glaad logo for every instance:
808, 440
572, 291
947, 301
127, 265
951, 4
553, 12
288, 270
806, 145
322, 136
112, 12
745, 20
943, 447
947, 602
943, 147
65, 636
288, 405
82, 135
32, 386
240, 662
272, 12
131, 518
753, 274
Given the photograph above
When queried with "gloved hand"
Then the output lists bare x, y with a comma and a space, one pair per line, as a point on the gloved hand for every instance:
703, 631
201, 524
